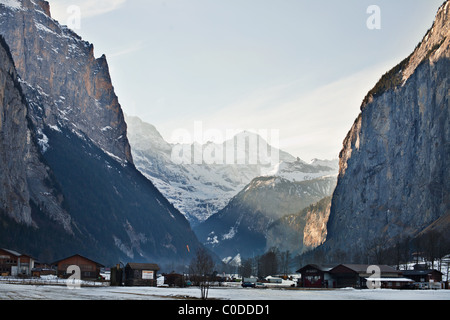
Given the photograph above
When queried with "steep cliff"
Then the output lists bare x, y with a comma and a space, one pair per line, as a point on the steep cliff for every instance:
14, 134
68, 85
68, 181
25, 179
395, 165
298, 233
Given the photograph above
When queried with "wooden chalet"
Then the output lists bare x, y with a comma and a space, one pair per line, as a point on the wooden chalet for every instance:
357, 275
13, 263
141, 274
316, 276
90, 270
424, 277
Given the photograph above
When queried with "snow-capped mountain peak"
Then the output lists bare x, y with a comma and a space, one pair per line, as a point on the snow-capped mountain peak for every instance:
200, 190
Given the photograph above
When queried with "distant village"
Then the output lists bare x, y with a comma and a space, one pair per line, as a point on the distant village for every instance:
16, 267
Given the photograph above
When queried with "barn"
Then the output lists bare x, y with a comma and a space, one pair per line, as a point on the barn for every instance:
141, 274
356, 276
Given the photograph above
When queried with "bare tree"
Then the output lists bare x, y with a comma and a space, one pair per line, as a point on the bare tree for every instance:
201, 271
431, 241
268, 263
285, 259
377, 249
246, 268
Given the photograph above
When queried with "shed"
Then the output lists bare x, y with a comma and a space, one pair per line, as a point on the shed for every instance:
355, 275
90, 270
141, 274
316, 276
174, 280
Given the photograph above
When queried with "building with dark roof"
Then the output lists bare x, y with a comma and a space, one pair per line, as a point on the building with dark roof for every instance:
90, 270
316, 276
358, 276
141, 274
13, 263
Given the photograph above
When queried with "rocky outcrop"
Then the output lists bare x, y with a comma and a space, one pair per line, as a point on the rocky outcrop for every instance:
69, 86
394, 168
298, 233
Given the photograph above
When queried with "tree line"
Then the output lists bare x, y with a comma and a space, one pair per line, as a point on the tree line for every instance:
431, 248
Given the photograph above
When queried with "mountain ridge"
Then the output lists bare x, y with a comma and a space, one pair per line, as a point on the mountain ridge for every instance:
242, 226
201, 190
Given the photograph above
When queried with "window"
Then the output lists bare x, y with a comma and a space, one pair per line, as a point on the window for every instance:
312, 279
86, 267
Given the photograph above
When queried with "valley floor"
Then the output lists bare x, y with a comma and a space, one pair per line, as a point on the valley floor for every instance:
28, 292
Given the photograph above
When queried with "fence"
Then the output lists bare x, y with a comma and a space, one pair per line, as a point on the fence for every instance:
52, 281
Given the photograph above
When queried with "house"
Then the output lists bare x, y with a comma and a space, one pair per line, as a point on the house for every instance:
13, 263
90, 270
425, 278
357, 276
316, 276
141, 274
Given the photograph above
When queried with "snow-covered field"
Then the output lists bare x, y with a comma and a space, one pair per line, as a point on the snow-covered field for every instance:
28, 292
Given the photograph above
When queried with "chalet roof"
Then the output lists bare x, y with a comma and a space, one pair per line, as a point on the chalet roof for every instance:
143, 266
320, 267
14, 253
420, 272
362, 268
78, 255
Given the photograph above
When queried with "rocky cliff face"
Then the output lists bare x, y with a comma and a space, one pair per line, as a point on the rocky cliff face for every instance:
24, 178
394, 168
67, 179
69, 86
14, 136
298, 233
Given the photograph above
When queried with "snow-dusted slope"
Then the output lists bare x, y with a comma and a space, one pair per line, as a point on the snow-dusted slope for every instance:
200, 190
241, 227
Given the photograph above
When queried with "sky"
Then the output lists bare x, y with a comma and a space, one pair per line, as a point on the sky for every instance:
301, 67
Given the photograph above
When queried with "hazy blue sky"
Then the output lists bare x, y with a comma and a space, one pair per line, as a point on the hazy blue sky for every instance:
300, 66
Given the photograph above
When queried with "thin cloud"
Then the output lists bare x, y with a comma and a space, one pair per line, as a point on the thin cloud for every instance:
88, 8
311, 124
127, 50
